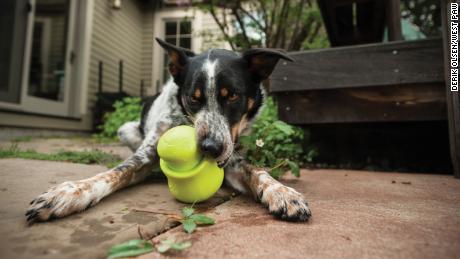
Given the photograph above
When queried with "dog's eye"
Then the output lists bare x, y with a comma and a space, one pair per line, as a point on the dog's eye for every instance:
233, 97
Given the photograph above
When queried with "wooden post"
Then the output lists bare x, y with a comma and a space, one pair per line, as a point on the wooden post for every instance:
142, 89
393, 19
120, 76
452, 98
101, 76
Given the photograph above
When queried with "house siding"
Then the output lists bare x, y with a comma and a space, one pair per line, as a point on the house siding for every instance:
117, 35
147, 52
211, 34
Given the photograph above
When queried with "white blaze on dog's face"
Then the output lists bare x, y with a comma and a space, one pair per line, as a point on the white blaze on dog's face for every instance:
221, 92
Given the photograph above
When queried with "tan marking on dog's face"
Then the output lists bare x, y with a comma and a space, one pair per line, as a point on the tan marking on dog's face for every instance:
174, 64
223, 92
197, 93
250, 104
238, 127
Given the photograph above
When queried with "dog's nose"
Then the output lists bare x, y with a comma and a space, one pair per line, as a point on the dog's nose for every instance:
212, 148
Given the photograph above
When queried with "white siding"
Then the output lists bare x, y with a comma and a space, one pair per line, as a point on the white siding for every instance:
117, 35
147, 52
211, 34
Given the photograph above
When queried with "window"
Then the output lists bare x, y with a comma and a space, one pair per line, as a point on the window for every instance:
49, 48
179, 33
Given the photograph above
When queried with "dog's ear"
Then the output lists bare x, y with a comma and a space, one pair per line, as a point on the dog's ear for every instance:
178, 56
261, 62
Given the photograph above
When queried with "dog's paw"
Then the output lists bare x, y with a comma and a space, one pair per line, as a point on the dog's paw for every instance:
59, 201
285, 203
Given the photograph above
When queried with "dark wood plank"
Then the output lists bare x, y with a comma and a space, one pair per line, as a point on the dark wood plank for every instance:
365, 65
378, 104
452, 98
393, 19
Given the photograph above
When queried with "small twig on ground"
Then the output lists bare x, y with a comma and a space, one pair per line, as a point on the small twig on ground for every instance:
169, 214
143, 233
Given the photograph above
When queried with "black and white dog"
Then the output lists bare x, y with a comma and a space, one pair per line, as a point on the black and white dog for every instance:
220, 92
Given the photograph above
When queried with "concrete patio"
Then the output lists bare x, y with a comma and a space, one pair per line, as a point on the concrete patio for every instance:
356, 214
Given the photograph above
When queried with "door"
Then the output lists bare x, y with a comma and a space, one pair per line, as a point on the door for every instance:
13, 25
48, 57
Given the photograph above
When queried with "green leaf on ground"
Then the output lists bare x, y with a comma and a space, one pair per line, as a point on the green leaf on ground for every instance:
130, 248
187, 211
201, 219
170, 244
189, 225
190, 221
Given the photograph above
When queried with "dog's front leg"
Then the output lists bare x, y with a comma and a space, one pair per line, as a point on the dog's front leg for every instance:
282, 201
74, 196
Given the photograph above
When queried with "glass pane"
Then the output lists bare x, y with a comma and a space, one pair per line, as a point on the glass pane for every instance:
171, 39
171, 28
176, 37
47, 64
13, 30
185, 42
185, 27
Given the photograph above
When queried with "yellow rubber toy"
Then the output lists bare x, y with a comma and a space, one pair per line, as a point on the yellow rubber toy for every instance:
192, 177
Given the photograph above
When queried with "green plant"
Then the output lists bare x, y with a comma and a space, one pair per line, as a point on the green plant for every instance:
137, 247
171, 244
128, 109
275, 144
130, 248
23, 139
81, 157
190, 220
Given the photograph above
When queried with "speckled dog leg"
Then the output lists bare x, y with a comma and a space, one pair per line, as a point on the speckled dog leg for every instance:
282, 201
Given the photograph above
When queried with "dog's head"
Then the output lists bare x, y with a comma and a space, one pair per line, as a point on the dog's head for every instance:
220, 91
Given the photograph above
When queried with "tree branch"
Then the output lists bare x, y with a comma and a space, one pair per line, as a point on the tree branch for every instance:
221, 26
263, 7
315, 33
243, 29
303, 34
297, 24
280, 23
247, 13
271, 22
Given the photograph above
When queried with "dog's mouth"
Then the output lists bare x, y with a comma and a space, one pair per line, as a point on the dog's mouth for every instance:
222, 164
214, 136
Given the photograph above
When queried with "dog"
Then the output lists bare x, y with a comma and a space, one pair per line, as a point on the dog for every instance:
220, 92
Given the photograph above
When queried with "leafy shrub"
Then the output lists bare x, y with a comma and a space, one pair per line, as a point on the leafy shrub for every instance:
275, 144
128, 109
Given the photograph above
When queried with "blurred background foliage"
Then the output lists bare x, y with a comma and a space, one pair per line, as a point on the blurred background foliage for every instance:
289, 25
